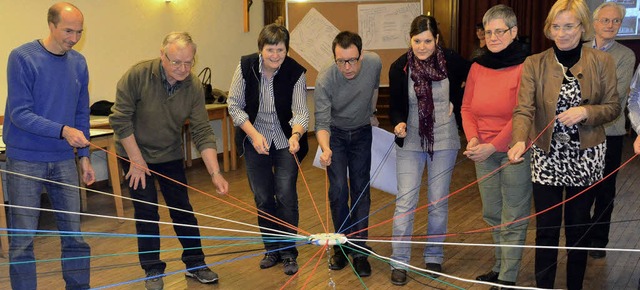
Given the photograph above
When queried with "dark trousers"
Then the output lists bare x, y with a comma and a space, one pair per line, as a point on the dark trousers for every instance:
176, 196
576, 212
350, 199
272, 179
604, 194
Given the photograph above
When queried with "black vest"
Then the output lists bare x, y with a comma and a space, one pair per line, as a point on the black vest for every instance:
283, 83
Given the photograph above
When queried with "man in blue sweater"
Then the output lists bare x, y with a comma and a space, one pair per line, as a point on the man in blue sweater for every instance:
46, 117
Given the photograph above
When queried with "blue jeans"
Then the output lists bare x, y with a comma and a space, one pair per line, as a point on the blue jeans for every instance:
26, 192
410, 167
351, 152
506, 197
175, 195
272, 179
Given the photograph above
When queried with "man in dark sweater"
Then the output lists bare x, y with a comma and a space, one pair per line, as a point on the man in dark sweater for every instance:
153, 101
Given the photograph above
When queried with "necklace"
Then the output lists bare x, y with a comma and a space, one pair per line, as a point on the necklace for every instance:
564, 70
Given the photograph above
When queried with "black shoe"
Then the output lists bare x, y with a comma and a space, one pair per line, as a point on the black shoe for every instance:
338, 261
398, 277
363, 269
507, 283
290, 266
269, 260
488, 277
434, 267
597, 254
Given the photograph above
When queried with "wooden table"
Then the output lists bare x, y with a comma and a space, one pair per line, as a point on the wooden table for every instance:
217, 112
103, 138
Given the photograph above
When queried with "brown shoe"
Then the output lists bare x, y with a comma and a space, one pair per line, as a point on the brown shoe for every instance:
398, 277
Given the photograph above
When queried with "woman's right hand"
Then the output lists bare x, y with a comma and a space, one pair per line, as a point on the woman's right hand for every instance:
260, 144
515, 153
400, 130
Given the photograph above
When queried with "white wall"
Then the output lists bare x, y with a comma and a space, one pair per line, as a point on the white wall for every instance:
120, 33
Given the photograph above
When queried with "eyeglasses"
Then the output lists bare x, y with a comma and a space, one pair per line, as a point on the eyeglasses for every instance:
565, 28
178, 64
606, 21
498, 32
351, 61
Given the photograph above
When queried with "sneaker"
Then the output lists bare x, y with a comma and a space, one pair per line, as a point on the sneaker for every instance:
290, 266
155, 283
435, 268
269, 260
362, 266
203, 275
398, 277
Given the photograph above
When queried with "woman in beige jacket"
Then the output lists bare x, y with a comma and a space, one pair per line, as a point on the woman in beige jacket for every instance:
572, 89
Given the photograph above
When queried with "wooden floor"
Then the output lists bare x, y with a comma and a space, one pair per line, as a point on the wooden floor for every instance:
116, 264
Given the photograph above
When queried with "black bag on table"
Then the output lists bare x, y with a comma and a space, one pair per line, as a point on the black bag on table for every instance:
205, 79
101, 108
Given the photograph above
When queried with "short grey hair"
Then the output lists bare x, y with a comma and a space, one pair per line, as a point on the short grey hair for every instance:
621, 9
503, 12
181, 39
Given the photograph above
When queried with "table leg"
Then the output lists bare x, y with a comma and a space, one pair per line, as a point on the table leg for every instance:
234, 159
4, 239
114, 176
225, 142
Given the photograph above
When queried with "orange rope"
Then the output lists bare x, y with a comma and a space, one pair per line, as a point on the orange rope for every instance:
302, 267
265, 214
315, 207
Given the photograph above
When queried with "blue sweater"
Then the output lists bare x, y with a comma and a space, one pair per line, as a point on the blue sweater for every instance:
45, 92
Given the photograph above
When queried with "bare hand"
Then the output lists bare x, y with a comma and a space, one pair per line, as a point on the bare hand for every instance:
374, 121
88, 175
400, 130
294, 144
74, 137
572, 116
260, 144
325, 157
515, 153
221, 184
636, 145
450, 108
136, 174
480, 152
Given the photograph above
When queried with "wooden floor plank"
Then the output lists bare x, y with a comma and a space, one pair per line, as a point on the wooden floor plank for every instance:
619, 270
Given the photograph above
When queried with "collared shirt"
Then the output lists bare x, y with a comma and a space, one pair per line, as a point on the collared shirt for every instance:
604, 48
634, 102
266, 122
171, 89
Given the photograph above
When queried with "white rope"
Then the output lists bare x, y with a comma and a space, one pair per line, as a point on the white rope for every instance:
434, 272
283, 233
499, 245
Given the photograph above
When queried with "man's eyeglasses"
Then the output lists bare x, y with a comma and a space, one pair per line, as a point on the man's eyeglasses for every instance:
565, 28
178, 64
351, 61
497, 32
606, 21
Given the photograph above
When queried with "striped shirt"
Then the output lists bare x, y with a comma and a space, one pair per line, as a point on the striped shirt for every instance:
266, 122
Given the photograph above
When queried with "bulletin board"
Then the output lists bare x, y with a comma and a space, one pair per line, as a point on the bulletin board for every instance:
383, 25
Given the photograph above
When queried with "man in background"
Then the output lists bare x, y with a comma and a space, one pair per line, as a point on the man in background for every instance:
46, 119
607, 19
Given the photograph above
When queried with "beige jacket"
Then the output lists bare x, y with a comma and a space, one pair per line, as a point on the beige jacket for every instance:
540, 87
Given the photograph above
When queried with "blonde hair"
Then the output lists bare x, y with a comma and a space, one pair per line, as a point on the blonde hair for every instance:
578, 8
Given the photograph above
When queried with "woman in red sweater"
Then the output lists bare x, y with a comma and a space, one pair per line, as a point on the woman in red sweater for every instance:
487, 107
